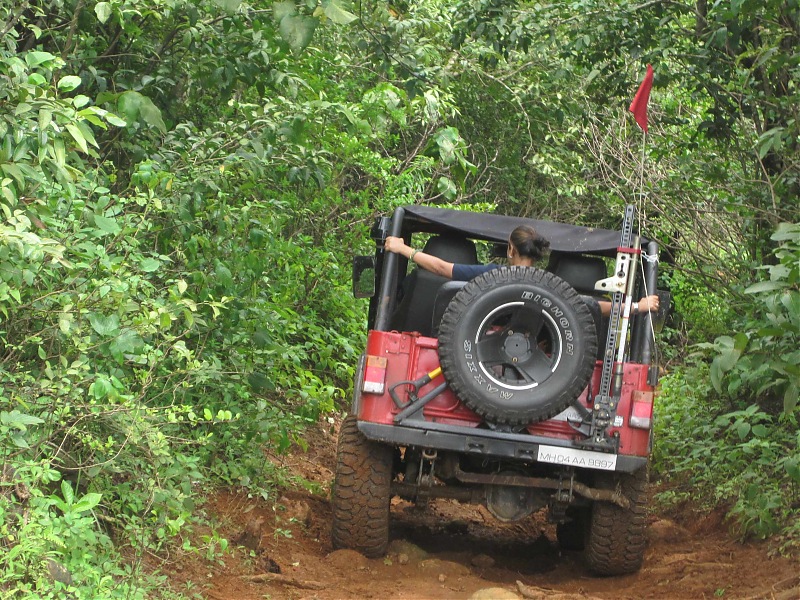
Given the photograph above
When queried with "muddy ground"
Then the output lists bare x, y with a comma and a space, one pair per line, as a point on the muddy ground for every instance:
450, 551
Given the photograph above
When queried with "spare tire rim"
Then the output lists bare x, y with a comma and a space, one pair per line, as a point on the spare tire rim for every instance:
518, 347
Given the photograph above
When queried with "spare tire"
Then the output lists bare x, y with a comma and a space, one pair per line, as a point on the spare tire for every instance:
517, 345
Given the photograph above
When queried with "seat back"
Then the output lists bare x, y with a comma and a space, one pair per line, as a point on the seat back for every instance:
420, 287
580, 271
443, 297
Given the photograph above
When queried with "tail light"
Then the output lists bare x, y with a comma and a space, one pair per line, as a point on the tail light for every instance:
642, 410
375, 375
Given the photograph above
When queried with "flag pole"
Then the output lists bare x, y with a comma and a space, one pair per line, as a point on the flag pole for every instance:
639, 109
641, 180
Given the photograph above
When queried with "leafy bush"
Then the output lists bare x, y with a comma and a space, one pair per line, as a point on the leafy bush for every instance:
175, 296
699, 312
762, 362
713, 453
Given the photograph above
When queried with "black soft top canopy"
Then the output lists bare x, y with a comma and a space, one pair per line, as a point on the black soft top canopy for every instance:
497, 228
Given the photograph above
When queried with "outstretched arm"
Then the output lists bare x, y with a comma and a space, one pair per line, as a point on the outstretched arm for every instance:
426, 261
646, 304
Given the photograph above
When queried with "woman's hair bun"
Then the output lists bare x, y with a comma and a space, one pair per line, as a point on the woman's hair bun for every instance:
529, 243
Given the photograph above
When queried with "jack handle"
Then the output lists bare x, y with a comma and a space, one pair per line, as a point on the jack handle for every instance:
416, 385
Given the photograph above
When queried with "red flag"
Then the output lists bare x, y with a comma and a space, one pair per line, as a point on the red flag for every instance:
639, 105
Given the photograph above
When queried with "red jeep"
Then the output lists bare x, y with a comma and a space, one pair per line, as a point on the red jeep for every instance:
511, 390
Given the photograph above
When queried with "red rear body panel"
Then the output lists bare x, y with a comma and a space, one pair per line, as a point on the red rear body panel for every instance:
411, 356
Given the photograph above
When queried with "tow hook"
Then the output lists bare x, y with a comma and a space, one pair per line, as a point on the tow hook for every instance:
425, 477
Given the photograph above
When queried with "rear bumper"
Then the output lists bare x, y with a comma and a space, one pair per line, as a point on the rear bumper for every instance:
485, 442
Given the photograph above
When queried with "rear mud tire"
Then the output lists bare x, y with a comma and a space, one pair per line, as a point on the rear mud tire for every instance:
361, 492
616, 538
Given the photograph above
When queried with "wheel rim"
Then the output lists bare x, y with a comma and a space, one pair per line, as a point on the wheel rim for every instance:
518, 347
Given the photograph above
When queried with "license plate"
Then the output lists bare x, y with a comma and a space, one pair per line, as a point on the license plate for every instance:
572, 457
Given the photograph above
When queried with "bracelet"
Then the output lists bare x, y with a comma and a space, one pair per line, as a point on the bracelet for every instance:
636, 308
413, 252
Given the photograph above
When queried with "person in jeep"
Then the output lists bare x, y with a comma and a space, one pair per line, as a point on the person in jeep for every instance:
525, 248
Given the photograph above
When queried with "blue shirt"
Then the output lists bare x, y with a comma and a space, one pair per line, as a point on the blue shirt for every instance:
467, 272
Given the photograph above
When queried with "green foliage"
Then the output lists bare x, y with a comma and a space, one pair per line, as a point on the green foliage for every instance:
699, 313
721, 441
49, 535
44, 131
174, 281
714, 454
762, 362
14, 426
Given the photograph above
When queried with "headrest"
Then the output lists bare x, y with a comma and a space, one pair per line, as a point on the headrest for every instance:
581, 272
452, 249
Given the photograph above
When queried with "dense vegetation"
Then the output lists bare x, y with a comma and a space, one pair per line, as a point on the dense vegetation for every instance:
183, 184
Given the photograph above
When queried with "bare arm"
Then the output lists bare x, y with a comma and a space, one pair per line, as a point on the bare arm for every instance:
646, 304
426, 261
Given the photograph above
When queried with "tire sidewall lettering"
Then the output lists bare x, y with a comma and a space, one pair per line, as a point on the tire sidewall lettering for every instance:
486, 385
558, 314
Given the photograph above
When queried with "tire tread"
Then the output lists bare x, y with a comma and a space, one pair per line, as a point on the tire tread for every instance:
361, 492
617, 539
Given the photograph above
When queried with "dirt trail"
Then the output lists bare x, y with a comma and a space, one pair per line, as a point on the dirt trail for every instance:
451, 551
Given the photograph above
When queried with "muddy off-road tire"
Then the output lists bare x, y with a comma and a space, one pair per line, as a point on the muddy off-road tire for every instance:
361, 492
616, 538
517, 345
